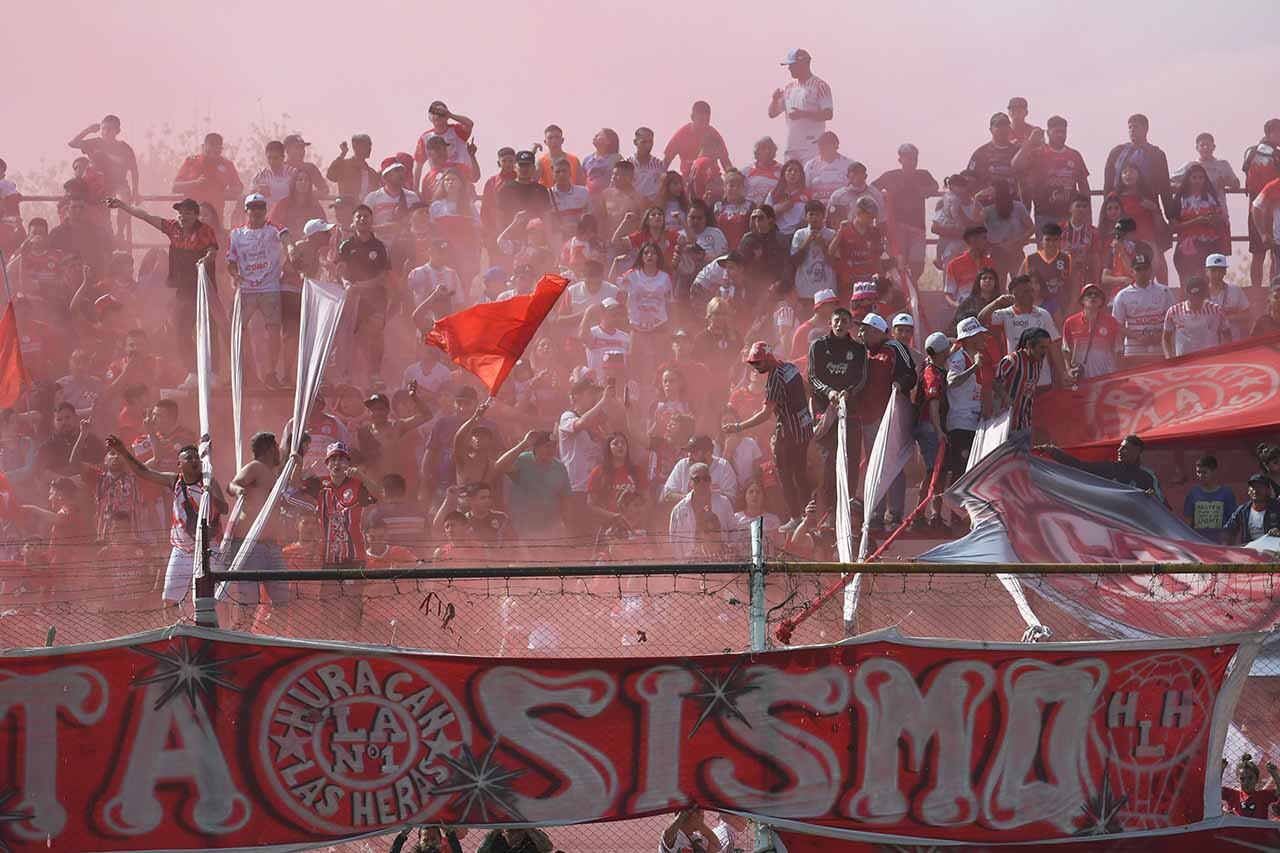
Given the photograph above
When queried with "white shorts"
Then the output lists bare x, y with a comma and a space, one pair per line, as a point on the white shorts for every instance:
178, 576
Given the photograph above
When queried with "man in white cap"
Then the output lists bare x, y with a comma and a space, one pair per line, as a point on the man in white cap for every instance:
889, 363
295, 157
824, 302
607, 335
806, 103
391, 202
255, 259
785, 395
1229, 298
903, 329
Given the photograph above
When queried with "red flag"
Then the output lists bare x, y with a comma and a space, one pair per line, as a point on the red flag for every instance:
487, 339
1225, 392
13, 373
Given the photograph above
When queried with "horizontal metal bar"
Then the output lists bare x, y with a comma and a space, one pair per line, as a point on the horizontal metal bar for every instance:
809, 568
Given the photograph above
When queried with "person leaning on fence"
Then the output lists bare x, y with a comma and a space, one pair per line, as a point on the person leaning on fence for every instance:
785, 394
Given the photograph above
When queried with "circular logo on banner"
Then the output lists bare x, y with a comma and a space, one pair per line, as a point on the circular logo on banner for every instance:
357, 743
1151, 401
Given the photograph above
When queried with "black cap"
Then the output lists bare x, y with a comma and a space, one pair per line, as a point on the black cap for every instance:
187, 204
734, 257
1260, 480
1194, 285
1125, 224
525, 157
374, 399
700, 442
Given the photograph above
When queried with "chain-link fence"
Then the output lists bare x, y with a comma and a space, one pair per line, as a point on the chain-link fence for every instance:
630, 609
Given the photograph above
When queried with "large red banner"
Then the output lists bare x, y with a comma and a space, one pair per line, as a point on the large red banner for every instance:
1230, 390
193, 739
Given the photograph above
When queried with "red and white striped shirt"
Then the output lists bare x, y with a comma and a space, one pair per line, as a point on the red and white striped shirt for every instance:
455, 135
1194, 330
1020, 374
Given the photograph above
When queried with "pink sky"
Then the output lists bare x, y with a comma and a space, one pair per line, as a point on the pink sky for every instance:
930, 73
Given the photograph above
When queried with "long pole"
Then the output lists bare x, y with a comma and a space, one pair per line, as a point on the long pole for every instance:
4, 269
759, 629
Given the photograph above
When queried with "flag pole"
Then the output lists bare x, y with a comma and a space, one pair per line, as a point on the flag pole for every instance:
4, 269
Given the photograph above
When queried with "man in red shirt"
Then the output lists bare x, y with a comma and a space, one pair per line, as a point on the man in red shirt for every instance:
1092, 340
858, 245
824, 302
1051, 174
889, 363
489, 219
208, 176
1083, 243
1261, 167
962, 270
696, 139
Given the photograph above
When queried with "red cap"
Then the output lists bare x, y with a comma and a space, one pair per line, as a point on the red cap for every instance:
759, 352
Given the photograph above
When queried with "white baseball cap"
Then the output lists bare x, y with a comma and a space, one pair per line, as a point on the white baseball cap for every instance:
316, 226
254, 198
824, 297
391, 167
876, 322
903, 320
968, 327
609, 303
796, 54
1215, 261
937, 343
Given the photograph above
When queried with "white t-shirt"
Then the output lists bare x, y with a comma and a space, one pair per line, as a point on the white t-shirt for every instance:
579, 451
258, 254
1015, 324
1232, 298
648, 298
580, 299
648, 175
1141, 310
723, 480
745, 457
425, 279
684, 527
1257, 523
598, 342
1194, 330
813, 95
570, 205
813, 272
273, 185
384, 204
823, 178
712, 240
431, 381
842, 201
964, 401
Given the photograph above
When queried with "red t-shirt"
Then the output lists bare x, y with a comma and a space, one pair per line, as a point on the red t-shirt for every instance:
1257, 805
962, 272
859, 253
221, 175
691, 140
874, 398
932, 386
605, 487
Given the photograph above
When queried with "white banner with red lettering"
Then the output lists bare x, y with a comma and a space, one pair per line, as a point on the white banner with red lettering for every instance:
196, 739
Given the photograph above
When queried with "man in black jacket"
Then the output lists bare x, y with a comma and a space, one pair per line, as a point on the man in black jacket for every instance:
837, 367
1259, 516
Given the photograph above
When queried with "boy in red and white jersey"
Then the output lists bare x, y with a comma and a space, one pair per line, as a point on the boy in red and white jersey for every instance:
454, 129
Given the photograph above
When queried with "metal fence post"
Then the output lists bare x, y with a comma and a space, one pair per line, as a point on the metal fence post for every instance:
206, 614
759, 642
759, 636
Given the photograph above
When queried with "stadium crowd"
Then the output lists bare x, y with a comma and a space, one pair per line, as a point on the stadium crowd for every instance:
684, 384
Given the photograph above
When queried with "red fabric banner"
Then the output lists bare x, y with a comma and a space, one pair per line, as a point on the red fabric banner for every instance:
487, 339
1235, 834
193, 739
1227, 391
14, 378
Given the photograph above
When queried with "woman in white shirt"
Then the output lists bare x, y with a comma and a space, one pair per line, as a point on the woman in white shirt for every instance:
788, 198
649, 292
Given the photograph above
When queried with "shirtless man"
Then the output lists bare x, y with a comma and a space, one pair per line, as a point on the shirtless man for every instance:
251, 487
474, 455
382, 439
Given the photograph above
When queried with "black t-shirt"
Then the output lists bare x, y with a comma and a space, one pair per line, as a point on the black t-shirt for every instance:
91, 243
907, 194
994, 163
365, 259
514, 196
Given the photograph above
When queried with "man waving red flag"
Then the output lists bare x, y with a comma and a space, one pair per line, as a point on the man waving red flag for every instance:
14, 378
488, 339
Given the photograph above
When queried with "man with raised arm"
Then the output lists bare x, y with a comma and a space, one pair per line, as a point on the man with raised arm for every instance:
187, 485
252, 487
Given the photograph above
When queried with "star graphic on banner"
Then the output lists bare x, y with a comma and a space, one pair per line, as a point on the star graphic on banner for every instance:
181, 670
441, 746
484, 784
7, 816
1101, 811
291, 743
720, 698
